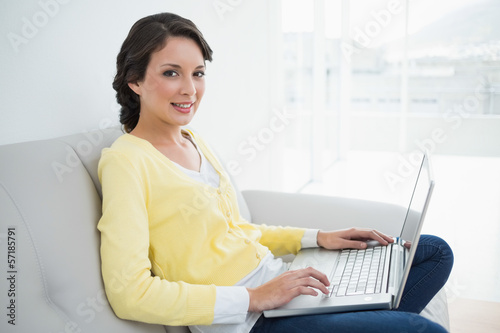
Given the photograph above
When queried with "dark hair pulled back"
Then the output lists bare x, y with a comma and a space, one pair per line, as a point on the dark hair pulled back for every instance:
147, 36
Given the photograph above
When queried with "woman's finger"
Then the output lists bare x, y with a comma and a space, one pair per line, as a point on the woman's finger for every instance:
310, 277
370, 234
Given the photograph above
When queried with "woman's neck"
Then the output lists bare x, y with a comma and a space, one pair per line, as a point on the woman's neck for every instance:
166, 135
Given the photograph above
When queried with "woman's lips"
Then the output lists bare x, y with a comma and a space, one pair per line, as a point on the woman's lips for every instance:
183, 107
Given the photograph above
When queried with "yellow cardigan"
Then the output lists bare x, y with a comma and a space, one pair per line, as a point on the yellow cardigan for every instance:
168, 240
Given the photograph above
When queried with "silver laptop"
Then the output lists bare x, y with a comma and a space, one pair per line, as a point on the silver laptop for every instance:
369, 279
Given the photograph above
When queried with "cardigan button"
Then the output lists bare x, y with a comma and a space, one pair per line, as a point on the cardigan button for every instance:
228, 213
258, 255
247, 241
219, 191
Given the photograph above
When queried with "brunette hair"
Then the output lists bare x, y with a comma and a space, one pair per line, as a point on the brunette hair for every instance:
147, 36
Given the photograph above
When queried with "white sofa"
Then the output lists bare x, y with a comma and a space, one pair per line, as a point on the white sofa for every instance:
49, 245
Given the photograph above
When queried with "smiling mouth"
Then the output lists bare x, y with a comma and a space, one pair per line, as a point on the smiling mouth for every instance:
183, 106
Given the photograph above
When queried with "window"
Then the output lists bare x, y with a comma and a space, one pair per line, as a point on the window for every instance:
383, 75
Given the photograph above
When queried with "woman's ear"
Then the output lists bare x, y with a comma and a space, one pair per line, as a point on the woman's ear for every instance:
135, 87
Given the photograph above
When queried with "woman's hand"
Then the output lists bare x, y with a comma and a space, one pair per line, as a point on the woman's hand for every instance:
286, 287
354, 238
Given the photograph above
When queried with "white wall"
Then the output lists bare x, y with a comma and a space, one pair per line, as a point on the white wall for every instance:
58, 62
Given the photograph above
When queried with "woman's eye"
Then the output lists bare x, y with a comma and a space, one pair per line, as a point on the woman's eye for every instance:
199, 74
170, 73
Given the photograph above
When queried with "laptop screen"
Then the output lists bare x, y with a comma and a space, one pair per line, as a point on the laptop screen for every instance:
421, 194
410, 233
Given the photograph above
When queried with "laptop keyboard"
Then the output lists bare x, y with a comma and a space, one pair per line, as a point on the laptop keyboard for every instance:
358, 272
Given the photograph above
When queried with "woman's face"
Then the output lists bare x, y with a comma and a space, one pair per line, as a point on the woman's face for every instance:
174, 83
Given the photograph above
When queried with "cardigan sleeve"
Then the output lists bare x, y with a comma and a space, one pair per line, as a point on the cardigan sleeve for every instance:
279, 240
131, 289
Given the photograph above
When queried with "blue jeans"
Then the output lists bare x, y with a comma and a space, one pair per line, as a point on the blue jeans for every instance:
430, 270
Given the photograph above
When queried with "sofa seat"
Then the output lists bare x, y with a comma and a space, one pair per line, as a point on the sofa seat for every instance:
50, 203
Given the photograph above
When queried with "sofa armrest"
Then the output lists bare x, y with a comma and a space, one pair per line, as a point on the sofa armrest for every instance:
323, 212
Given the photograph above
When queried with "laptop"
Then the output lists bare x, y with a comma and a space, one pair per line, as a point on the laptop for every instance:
369, 279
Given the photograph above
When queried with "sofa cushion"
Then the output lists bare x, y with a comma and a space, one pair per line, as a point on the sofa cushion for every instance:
86, 150
49, 199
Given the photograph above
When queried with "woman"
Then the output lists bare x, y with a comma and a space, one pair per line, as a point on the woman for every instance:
175, 250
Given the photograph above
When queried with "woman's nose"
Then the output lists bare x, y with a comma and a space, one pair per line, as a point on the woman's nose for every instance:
188, 87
